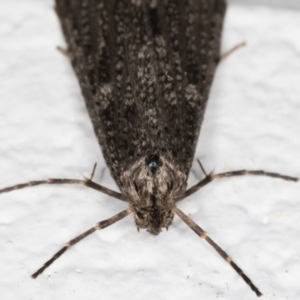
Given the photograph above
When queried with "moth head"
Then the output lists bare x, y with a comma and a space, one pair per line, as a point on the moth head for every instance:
152, 186
153, 218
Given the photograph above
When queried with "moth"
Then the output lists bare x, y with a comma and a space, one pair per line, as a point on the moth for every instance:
145, 68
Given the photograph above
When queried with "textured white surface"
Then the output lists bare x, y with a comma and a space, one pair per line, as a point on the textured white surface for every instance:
252, 121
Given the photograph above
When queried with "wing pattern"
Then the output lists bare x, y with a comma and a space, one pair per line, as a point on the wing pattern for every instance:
145, 68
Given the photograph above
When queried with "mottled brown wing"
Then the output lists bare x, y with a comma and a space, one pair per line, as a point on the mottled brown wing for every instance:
145, 69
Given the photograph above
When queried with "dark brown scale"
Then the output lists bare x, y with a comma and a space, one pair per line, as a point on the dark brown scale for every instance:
154, 21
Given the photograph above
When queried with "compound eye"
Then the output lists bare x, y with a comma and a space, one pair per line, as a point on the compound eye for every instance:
170, 186
140, 215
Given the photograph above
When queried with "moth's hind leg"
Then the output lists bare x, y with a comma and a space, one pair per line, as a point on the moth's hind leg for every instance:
98, 226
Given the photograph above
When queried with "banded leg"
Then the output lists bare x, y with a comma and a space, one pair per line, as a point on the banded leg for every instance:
86, 182
210, 177
200, 232
98, 226
230, 51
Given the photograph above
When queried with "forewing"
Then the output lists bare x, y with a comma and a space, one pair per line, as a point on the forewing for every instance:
145, 69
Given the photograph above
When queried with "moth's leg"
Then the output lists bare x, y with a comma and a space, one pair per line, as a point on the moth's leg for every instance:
93, 172
201, 167
210, 177
255, 172
103, 189
200, 232
98, 226
63, 51
230, 51
86, 182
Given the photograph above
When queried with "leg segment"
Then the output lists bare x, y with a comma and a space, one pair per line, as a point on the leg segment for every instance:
211, 177
230, 51
200, 232
98, 226
86, 182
